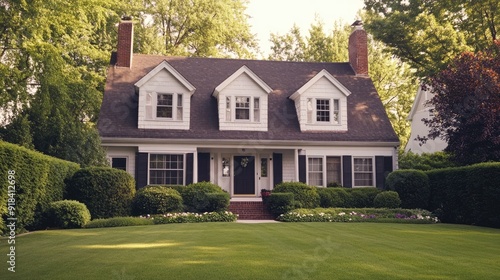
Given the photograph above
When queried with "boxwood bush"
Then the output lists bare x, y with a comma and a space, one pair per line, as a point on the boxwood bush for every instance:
332, 197
361, 197
280, 203
412, 187
67, 214
197, 199
107, 192
387, 199
304, 195
119, 222
38, 180
156, 200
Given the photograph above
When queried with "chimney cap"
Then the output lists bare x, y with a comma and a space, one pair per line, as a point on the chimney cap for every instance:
357, 23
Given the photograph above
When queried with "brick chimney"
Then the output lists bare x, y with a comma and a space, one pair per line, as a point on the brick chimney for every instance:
358, 49
125, 42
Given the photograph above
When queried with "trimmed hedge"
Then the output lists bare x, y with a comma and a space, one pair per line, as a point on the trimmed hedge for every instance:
39, 180
280, 203
156, 200
107, 192
412, 187
200, 197
344, 197
304, 195
467, 195
67, 214
119, 222
387, 199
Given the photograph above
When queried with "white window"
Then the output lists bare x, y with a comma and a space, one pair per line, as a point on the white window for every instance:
165, 104
363, 172
315, 167
246, 108
226, 167
242, 108
323, 111
166, 169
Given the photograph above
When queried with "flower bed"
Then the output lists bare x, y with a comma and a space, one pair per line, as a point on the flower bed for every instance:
359, 215
187, 217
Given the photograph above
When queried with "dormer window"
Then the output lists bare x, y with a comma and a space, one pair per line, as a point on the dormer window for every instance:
242, 102
323, 111
321, 104
164, 99
165, 104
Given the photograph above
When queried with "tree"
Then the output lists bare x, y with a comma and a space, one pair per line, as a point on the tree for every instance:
392, 78
211, 28
467, 106
53, 55
429, 34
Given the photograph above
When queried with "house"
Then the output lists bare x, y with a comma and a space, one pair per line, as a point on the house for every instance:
245, 125
420, 111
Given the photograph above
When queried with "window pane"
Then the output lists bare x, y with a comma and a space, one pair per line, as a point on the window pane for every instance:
256, 109
119, 163
363, 172
336, 111
228, 108
315, 171
263, 167
164, 106
165, 99
323, 110
242, 108
309, 110
333, 170
226, 168
166, 169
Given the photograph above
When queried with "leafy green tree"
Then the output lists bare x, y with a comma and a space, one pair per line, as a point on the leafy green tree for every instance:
467, 105
429, 34
212, 28
53, 55
392, 78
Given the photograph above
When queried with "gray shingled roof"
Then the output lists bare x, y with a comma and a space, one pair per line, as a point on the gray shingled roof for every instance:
367, 120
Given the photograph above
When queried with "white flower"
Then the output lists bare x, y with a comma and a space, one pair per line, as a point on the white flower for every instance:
341, 214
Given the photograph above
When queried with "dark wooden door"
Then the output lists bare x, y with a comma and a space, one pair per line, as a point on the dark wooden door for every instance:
244, 175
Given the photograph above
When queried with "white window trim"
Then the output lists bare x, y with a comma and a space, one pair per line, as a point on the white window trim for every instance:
325, 171
232, 110
314, 119
354, 172
162, 153
175, 99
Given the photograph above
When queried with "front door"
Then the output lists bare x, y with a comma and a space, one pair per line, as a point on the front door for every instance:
244, 175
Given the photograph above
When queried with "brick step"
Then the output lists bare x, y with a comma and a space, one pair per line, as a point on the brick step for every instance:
250, 210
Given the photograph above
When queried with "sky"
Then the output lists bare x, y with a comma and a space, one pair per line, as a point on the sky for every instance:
278, 16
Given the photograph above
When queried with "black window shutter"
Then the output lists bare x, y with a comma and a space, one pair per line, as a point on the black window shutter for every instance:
141, 170
347, 171
302, 169
383, 167
203, 167
189, 168
277, 168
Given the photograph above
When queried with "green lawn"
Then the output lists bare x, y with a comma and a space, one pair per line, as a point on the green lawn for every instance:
259, 251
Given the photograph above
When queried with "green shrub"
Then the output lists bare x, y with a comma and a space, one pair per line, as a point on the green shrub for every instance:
306, 196
156, 200
196, 198
280, 203
467, 195
412, 187
119, 222
425, 161
67, 214
332, 197
39, 180
217, 202
361, 197
107, 192
387, 199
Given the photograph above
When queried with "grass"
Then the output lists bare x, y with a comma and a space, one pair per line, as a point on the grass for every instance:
259, 251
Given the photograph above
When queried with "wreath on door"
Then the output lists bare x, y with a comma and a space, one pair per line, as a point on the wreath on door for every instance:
244, 162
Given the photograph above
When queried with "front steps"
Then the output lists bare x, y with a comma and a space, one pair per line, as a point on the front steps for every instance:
250, 210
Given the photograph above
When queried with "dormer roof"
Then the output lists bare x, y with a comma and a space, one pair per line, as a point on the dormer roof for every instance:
165, 66
322, 74
242, 71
